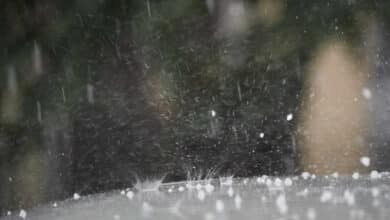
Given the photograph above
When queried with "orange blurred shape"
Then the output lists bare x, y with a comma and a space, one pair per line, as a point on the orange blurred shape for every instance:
334, 119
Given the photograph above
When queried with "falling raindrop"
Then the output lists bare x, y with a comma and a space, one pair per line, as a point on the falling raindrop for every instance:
90, 94
37, 59
39, 112
239, 91
63, 94
289, 117
148, 8
12, 82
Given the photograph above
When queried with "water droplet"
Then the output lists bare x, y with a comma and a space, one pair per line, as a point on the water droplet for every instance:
213, 113
76, 196
22, 214
130, 194
365, 161
326, 196
305, 175
288, 182
375, 174
261, 135
366, 93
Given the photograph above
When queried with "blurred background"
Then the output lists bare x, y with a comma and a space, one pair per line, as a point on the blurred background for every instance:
97, 93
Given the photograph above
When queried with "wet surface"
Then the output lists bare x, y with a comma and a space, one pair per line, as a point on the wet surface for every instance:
300, 197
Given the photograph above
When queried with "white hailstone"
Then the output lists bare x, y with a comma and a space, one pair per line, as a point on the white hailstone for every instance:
237, 201
375, 192
76, 196
335, 175
209, 188
123, 192
281, 204
170, 190
219, 206
375, 174
305, 175
9, 213
288, 182
289, 117
201, 195
278, 182
181, 189
198, 186
55, 205
117, 217
366, 93
349, 198
130, 194
230, 192
22, 214
313, 176
261, 135
365, 161
326, 196
355, 175
311, 214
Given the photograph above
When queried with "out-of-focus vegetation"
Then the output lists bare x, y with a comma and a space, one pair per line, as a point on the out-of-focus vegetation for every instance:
95, 91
